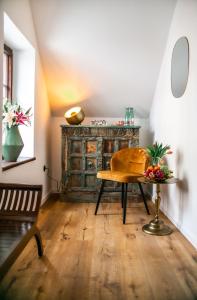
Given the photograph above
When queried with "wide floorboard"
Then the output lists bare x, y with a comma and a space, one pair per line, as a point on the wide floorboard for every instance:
97, 257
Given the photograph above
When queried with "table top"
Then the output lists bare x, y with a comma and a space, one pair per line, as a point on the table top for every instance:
100, 126
167, 181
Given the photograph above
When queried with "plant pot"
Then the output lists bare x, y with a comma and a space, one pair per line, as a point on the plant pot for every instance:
13, 144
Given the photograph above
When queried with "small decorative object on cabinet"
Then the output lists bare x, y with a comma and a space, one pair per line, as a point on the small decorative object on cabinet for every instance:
13, 116
98, 122
129, 116
75, 115
88, 149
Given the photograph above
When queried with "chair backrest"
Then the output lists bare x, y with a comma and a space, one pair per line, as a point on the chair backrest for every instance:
134, 160
20, 201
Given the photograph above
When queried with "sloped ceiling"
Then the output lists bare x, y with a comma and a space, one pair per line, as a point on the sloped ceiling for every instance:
103, 55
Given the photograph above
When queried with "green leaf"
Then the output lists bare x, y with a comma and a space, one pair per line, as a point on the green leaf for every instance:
157, 151
5, 108
28, 111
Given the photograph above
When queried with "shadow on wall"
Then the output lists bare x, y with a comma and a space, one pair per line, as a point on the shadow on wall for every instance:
181, 193
150, 137
150, 140
182, 187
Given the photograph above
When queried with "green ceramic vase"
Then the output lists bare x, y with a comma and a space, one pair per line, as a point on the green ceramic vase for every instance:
13, 144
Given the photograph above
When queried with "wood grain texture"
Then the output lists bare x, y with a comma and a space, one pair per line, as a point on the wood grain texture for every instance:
96, 257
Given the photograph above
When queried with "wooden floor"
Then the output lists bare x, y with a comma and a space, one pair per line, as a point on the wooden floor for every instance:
96, 257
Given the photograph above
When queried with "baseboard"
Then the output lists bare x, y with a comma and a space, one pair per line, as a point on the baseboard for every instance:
54, 195
183, 231
46, 197
91, 197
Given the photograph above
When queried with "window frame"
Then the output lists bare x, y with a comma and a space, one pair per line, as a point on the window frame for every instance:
9, 66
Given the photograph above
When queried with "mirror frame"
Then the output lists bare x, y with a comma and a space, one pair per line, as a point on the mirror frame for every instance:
179, 95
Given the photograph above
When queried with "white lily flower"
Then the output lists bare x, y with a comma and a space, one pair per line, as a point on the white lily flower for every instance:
9, 118
14, 114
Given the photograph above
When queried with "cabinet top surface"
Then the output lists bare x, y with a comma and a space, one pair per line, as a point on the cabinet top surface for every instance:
99, 126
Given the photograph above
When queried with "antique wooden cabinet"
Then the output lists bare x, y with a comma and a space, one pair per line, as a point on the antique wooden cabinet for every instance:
87, 149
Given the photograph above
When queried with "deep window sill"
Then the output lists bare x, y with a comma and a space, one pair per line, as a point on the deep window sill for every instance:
21, 160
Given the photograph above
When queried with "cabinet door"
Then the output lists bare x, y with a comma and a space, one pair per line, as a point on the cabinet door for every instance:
93, 162
85, 159
75, 163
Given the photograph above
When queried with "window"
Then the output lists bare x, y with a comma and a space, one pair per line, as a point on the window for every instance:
19, 77
7, 72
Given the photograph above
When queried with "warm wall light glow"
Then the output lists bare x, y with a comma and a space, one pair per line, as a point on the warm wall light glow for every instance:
68, 94
66, 89
72, 93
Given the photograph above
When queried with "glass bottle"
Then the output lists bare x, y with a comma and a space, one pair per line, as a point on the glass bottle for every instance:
129, 116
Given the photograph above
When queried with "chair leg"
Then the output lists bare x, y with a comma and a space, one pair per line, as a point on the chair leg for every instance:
39, 242
99, 196
122, 195
144, 198
125, 203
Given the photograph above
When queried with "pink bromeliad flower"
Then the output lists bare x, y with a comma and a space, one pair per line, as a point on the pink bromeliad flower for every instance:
159, 175
169, 151
22, 119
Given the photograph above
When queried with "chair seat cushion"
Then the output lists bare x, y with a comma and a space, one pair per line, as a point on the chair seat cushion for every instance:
119, 176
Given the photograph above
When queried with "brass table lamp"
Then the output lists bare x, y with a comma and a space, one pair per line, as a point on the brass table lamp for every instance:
75, 115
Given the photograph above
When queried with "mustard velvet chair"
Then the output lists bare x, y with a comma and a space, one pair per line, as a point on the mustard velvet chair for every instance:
126, 166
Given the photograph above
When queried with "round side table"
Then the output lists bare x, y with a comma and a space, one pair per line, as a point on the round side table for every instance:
157, 226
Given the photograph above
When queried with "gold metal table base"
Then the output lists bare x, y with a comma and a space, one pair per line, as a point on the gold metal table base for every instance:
157, 226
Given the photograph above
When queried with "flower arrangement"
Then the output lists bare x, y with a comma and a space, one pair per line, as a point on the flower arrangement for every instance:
15, 115
157, 171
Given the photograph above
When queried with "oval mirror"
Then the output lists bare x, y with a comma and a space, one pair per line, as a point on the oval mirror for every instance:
180, 67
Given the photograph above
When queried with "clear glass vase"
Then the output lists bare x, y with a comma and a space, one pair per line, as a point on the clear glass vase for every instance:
155, 161
129, 116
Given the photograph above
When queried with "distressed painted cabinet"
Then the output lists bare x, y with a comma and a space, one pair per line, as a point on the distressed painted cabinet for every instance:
87, 149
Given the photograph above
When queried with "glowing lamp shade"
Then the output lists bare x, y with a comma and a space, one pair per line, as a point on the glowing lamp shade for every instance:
75, 115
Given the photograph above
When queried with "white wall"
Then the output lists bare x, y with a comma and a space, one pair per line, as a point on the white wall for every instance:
55, 171
102, 55
173, 121
20, 13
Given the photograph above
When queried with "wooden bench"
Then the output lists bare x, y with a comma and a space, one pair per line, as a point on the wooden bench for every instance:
19, 207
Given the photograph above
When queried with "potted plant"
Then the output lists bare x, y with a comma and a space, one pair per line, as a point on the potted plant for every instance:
157, 171
13, 116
